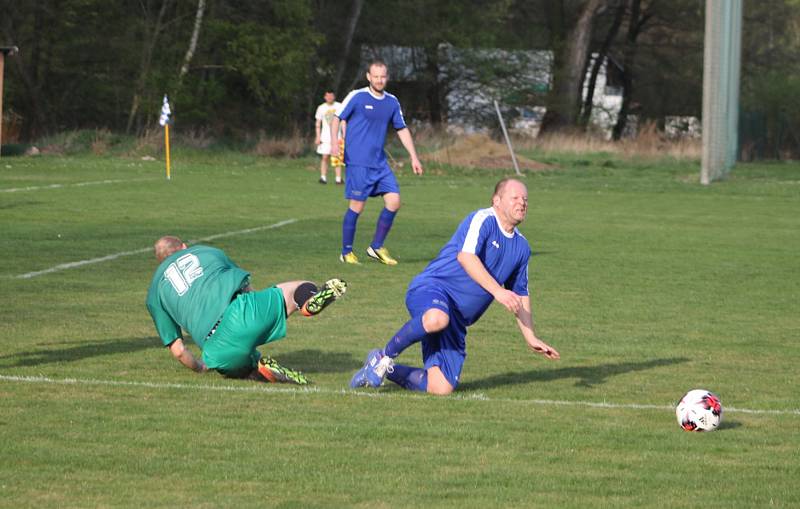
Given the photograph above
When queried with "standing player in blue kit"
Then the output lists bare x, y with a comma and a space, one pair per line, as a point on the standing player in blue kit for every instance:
368, 112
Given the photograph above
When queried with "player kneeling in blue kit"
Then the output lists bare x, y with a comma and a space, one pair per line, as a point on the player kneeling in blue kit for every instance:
485, 260
201, 290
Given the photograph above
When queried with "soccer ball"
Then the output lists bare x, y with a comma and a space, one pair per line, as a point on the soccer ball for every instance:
699, 410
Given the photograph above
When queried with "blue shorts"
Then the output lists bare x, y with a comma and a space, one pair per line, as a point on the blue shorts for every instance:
363, 182
447, 348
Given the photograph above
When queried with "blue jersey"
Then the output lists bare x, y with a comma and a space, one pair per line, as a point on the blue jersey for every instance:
368, 118
505, 256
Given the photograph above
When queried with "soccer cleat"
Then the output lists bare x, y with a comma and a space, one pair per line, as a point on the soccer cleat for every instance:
359, 379
382, 255
331, 290
275, 373
374, 370
322, 180
349, 258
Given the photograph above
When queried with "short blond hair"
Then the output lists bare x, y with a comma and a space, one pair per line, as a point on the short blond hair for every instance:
167, 245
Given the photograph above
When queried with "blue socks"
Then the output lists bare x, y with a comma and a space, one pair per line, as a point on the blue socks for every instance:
385, 221
408, 334
413, 379
382, 228
349, 230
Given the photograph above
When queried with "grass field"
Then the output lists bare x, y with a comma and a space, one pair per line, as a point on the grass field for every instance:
646, 282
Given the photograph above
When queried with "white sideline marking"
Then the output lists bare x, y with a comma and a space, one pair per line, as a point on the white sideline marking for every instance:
81, 263
264, 388
77, 184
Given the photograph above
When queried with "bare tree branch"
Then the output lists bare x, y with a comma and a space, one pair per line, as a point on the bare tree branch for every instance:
352, 21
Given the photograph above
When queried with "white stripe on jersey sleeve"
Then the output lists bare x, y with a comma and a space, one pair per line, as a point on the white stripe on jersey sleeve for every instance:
471, 240
352, 94
400, 108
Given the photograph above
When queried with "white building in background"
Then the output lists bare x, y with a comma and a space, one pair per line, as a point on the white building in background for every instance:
606, 101
469, 92
683, 127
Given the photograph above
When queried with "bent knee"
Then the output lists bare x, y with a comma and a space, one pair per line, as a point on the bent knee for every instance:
435, 320
437, 382
392, 201
441, 391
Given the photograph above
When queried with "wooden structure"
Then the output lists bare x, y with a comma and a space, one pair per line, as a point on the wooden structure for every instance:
4, 50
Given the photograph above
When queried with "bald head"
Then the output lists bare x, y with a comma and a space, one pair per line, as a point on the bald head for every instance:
167, 245
500, 187
510, 202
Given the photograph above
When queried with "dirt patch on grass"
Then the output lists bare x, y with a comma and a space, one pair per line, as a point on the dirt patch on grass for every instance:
480, 151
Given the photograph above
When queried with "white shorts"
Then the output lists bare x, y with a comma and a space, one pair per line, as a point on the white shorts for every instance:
324, 148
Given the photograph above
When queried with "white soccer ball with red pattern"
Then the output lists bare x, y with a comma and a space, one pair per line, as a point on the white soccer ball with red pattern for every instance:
699, 410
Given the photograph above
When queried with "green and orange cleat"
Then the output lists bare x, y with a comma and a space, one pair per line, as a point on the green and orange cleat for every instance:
275, 373
331, 290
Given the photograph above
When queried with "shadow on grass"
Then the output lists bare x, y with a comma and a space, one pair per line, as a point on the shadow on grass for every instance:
19, 204
308, 361
728, 424
318, 361
84, 350
587, 376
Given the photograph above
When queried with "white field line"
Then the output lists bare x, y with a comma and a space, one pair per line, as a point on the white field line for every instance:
81, 263
77, 184
270, 389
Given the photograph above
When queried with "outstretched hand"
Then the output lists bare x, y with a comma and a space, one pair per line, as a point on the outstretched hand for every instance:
539, 346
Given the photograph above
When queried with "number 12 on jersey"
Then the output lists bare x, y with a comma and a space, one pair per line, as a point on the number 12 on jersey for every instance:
182, 273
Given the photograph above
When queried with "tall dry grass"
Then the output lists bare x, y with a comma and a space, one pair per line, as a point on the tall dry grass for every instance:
280, 146
649, 143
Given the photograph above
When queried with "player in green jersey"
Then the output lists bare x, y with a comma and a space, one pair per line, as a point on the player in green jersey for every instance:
200, 290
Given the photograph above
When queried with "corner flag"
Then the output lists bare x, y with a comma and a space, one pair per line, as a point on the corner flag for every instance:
166, 113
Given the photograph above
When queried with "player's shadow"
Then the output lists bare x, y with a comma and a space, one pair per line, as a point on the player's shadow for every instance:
81, 350
318, 361
19, 204
587, 376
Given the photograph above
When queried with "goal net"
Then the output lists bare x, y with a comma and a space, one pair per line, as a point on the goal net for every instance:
721, 70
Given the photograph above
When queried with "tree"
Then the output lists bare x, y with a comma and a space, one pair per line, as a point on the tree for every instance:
352, 22
198, 22
770, 87
152, 31
636, 23
427, 29
660, 59
570, 57
602, 57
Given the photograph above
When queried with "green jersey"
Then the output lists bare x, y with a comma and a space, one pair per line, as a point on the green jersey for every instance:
191, 289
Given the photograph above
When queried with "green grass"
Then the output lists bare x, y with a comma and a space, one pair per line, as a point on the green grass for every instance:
648, 284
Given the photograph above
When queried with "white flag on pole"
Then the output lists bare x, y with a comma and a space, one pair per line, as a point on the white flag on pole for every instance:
165, 112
